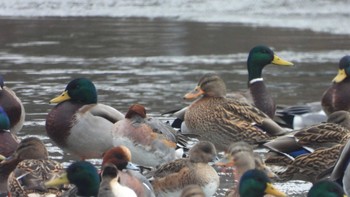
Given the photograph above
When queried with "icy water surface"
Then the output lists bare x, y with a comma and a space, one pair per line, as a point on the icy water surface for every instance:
153, 52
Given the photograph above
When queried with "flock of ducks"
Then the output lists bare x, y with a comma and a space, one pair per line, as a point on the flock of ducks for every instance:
221, 121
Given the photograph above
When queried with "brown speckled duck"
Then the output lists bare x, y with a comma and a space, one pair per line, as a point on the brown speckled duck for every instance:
12, 106
337, 96
286, 148
224, 120
80, 125
24, 173
241, 157
258, 94
171, 178
309, 152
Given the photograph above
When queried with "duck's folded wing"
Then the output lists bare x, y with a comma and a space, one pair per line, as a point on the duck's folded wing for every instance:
106, 112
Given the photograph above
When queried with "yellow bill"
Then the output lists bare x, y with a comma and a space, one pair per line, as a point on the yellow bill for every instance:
63, 97
281, 62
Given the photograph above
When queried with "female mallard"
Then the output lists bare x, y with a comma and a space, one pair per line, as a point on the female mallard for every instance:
255, 183
24, 172
8, 141
149, 142
83, 175
285, 149
259, 57
223, 120
171, 178
120, 157
326, 188
337, 96
80, 125
12, 106
241, 157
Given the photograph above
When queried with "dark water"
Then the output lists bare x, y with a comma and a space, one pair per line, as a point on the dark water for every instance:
155, 62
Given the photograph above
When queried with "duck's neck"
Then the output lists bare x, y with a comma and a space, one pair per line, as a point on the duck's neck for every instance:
254, 71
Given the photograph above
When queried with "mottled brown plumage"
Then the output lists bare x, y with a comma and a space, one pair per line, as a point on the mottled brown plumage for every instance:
310, 151
26, 170
223, 120
308, 167
171, 178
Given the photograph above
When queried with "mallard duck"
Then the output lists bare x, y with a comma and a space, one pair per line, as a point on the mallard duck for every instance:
326, 188
13, 107
120, 157
258, 95
111, 186
341, 170
310, 151
255, 183
149, 147
169, 179
285, 149
83, 175
23, 173
259, 57
337, 96
222, 120
241, 157
8, 141
80, 125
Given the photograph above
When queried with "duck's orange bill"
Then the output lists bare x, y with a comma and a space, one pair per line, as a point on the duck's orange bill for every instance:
194, 93
226, 161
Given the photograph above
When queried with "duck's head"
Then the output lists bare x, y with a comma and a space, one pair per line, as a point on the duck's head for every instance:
136, 109
209, 85
344, 69
119, 156
4, 120
326, 188
234, 152
83, 175
31, 148
202, 152
80, 90
255, 183
259, 57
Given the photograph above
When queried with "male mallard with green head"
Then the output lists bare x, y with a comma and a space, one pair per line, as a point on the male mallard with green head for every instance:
259, 57
337, 96
80, 125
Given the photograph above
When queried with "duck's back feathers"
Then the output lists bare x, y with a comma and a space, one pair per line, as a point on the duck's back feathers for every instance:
29, 176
